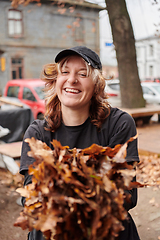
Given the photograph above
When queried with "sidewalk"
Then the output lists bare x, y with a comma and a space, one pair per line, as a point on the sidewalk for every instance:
149, 137
147, 212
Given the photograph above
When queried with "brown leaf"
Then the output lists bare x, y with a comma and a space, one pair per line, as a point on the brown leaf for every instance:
23, 191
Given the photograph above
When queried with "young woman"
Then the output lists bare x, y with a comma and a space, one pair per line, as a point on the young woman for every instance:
78, 115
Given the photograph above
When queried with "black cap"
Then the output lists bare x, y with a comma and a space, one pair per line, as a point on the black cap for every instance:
87, 54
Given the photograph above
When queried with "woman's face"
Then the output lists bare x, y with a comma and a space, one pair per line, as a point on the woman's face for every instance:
73, 87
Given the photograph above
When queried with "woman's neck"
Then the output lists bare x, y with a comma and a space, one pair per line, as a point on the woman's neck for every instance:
74, 117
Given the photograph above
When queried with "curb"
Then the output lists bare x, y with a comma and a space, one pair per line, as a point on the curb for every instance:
147, 153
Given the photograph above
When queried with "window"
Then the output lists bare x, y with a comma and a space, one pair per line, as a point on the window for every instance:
28, 95
15, 28
151, 71
13, 91
39, 91
151, 50
147, 90
17, 68
157, 88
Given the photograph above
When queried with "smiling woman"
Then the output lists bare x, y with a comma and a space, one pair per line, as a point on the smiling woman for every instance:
74, 88
78, 115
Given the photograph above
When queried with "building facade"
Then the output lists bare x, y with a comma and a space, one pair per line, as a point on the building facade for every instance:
31, 36
148, 58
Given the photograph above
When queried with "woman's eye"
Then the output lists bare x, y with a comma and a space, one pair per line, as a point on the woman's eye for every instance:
83, 74
64, 72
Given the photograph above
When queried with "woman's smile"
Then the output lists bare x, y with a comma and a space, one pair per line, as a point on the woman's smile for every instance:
72, 90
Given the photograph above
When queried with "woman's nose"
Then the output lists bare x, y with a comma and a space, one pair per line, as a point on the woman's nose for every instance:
72, 78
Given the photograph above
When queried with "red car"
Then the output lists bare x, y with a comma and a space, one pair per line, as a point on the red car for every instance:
29, 92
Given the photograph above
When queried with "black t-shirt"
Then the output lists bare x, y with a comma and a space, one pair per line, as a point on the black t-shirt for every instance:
118, 127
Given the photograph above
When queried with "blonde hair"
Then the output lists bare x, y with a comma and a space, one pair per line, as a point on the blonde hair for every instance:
99, 108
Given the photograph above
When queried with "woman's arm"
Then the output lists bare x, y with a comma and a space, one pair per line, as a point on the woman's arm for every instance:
123, 128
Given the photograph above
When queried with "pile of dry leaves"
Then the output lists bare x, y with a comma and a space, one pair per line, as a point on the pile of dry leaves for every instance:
148, 170
76, 194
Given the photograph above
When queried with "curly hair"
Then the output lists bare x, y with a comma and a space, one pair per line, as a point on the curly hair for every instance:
99, 108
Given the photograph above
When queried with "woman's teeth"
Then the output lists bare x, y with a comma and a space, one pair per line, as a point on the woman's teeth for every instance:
72, 90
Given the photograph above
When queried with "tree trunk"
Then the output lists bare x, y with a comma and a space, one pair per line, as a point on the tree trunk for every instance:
124, 42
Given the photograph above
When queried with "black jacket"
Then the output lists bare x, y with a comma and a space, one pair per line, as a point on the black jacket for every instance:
116, 129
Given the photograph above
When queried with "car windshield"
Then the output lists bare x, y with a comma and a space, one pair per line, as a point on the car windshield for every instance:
157, 88
39, 91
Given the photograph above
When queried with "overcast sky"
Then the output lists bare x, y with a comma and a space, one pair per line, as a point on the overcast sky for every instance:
144, 15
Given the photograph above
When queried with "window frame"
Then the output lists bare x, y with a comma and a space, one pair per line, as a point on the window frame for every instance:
151, 69
15, 21
151, 50
16, 67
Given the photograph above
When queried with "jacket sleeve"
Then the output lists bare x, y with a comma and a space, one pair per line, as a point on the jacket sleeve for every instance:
33, 131
36, 130
123, 128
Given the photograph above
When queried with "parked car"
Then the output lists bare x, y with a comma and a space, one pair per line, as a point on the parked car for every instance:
113, 90
112, 87
29, 92
151, 92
